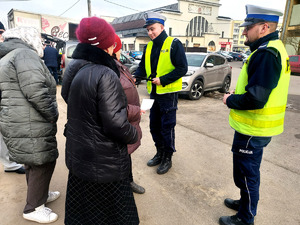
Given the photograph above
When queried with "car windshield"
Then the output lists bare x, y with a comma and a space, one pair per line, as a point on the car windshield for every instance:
70, 51
294, 58
195, 60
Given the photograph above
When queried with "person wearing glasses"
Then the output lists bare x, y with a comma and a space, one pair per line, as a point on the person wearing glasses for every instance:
257, 108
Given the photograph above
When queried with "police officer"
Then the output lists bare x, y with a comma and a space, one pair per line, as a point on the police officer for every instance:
257, 108
165, 63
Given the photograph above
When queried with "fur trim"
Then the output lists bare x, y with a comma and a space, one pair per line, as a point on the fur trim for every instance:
95, 55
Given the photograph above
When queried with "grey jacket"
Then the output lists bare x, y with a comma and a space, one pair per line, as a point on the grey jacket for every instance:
28, 112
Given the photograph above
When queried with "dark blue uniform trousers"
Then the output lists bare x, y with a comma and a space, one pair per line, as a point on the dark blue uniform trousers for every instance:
247, 156
163, 120
53, 71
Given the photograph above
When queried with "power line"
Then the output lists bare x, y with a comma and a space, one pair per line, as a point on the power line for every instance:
122, 6
69, 8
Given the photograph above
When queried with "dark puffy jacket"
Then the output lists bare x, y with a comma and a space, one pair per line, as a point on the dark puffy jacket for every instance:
97, 130
28, 105
133, 100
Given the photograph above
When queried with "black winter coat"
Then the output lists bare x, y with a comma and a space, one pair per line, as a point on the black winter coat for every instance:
97, 130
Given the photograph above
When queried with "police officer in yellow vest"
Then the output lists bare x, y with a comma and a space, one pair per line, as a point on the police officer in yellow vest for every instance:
257, 108
165, 63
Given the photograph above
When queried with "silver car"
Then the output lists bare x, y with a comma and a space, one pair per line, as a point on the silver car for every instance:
206, 72
67, 54
70, 46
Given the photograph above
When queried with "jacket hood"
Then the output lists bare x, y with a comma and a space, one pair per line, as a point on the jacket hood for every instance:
12, 44
29, 35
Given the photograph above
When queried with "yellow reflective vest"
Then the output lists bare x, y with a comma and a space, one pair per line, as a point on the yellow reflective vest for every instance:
164, 66
269, 120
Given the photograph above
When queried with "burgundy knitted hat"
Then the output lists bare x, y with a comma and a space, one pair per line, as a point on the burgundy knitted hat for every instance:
117, 43
95, 31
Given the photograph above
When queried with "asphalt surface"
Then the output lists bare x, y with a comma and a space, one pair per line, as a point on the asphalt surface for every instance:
193, 191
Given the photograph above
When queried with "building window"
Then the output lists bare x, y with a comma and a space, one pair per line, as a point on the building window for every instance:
142, 47
242, 36
131, 47
211, 46
197, 26
241, 42
235, 42
170, 31
236, 30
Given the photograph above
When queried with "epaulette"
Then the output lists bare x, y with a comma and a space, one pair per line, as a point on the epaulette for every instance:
265, 47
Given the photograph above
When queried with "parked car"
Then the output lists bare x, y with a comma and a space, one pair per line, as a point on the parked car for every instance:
70, 46
206, 72
66, 57
129, 62
295, 64
236, 56
228, 57
136, 54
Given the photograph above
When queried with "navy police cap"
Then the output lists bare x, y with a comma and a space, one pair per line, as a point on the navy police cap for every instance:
257, 14
153, 17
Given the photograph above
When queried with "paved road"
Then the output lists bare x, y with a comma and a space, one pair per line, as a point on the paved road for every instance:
192, 192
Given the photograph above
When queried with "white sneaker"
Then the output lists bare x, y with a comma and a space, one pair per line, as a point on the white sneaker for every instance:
41, 214
52, 195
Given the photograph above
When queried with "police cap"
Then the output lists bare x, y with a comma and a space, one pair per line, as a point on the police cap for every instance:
257, 14
153, 17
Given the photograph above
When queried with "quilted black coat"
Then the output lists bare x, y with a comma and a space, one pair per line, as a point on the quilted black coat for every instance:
97, 130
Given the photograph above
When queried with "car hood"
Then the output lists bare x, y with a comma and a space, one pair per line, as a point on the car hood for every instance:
136, 62
193, 68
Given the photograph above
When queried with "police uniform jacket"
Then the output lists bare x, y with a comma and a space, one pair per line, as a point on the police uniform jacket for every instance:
263, 75
178, 59
97, 131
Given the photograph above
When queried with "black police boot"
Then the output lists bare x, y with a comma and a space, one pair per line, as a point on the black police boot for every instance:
166, 163
232, 204
156, 160
232, 220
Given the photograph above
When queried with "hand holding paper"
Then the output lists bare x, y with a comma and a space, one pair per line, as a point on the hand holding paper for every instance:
147, 104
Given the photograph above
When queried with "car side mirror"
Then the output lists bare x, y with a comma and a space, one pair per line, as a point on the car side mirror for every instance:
209, 65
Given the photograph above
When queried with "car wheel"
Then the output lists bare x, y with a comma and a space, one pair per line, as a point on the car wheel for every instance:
196, 90
226, 85
235, 59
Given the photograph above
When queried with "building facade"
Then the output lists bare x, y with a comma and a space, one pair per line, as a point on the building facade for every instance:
195, 23
291, 27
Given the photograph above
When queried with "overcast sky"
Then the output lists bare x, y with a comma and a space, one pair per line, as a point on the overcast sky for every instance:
116, 8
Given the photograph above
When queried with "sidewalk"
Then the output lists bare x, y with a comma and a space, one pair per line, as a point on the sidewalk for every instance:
192, 192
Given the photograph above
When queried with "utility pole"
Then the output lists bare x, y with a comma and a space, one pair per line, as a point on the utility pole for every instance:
89, 8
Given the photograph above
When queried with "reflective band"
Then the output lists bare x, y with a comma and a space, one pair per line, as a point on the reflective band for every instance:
256, 123
269, 111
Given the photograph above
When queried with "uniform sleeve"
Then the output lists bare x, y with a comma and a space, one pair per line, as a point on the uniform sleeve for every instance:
32, 81
113, 111
141, 71
263, 75
179, 61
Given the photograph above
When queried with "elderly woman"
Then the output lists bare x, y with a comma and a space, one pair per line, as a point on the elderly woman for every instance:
97, 132
28, 116
134, 111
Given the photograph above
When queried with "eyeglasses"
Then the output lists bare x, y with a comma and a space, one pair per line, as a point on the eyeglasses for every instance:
247, 28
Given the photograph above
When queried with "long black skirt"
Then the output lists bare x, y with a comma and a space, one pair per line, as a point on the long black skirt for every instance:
89, 203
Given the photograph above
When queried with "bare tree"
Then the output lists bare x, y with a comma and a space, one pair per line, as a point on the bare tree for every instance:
293, 41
